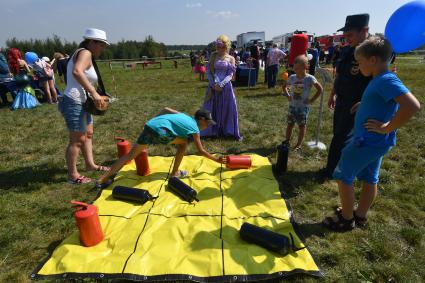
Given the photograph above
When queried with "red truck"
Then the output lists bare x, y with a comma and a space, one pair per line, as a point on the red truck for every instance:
327, 41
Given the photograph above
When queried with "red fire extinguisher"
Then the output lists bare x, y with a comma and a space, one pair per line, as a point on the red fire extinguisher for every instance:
88, 223
299, 46
238, 161
123, 147
142, 163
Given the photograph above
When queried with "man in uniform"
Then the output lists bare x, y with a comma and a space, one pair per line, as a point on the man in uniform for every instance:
347, 91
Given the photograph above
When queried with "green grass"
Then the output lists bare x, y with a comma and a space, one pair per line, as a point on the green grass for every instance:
35, 213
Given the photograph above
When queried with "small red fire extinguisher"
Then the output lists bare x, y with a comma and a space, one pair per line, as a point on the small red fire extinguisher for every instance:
88, 223
142, 163
123, 147
238, 161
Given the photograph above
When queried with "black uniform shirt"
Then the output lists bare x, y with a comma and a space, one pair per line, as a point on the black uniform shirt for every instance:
350, 83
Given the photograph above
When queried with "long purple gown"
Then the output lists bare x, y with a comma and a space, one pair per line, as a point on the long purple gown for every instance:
222, 104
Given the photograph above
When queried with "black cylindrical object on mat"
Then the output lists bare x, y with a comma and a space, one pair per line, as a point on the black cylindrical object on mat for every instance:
282, 158
267, 239
181, 189
131, 194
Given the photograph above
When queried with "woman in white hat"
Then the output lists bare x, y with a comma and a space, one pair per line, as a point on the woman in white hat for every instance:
82, 78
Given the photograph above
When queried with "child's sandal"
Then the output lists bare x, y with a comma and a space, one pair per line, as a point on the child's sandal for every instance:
104, 185
361, 222
338, 223
183, 173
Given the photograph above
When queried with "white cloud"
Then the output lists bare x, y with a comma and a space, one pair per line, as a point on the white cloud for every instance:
222, 14
193, 5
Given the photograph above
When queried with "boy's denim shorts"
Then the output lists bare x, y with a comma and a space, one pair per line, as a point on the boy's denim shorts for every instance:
150, 136
76, 118
298, 115
361, 162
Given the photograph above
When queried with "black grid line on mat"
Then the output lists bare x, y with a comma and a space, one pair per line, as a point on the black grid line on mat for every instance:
147, 218
178, 277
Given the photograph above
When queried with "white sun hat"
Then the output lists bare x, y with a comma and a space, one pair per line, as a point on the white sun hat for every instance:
46, 59
96, 34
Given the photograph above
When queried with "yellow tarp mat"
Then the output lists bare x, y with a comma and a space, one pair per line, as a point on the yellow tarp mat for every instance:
170, 239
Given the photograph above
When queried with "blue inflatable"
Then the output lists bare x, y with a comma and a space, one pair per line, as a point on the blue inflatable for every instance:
31, 57
406, 27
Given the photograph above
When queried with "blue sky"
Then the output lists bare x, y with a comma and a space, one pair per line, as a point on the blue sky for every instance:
182, 21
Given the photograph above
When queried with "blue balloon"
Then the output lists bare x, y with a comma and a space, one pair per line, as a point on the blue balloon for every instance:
406, 27
31, 57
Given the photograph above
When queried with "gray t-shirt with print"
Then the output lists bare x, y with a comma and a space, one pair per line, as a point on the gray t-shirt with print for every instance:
299, 89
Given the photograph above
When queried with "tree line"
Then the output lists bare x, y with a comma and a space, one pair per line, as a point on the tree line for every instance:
124, 49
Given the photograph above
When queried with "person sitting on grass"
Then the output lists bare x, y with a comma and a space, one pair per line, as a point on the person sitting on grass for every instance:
169, 127
297, 89
386, 105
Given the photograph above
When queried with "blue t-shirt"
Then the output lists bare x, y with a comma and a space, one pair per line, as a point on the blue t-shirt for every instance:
378, 103
180, 124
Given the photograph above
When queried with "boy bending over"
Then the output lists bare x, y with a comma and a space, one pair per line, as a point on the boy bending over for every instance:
169, 127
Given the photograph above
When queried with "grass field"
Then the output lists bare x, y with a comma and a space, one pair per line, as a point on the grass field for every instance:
35, 213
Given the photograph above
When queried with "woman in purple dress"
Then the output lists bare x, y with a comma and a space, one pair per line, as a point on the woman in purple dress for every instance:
220, 99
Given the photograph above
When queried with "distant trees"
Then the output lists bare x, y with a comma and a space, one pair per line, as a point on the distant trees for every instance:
124, 49
182, 47
43, 47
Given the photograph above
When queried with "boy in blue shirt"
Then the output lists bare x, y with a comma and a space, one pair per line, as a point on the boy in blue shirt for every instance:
169, 127
386, 105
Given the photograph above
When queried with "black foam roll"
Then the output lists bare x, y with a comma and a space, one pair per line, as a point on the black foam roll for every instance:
265, 238
131, 194
181, 189
282, 158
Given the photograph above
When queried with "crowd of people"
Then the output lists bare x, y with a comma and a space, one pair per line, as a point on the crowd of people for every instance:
28, 78
369, 102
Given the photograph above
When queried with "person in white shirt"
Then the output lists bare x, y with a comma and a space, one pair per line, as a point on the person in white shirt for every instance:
273, 58
82, 79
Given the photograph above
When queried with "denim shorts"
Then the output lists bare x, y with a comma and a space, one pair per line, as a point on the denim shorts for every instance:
360, 161
76, 118
298, 115
150, 136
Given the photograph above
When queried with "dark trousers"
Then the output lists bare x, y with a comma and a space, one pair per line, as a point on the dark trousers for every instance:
272, 75
265, 73
256, 65
342, 129
3, 93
